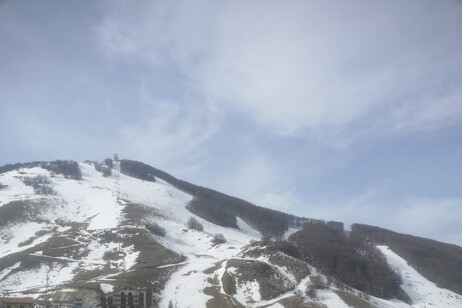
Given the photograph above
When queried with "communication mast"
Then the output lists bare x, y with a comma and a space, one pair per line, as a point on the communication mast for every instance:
116, 166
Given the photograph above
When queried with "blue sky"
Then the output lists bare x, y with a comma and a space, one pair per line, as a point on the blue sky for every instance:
347, 111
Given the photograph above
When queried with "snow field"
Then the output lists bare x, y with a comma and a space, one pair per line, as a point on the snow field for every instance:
16, 189
36, 278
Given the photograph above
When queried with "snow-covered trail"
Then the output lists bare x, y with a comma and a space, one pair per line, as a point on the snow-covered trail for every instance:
423, 292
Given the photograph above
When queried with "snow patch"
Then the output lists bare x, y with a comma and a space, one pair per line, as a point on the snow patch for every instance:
245, 228
4, 272
36, 278
21, 232
290, 232
106, 288
330, 299
277, 305
248, 292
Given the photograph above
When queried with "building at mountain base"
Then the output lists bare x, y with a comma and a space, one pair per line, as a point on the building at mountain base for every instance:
16, 302
127, 298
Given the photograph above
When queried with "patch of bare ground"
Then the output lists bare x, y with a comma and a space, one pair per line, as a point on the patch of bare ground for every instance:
83, 276
70, 293
21, 211
297, 268
218, 300
137, 214
212, 269
151, 255
272, 283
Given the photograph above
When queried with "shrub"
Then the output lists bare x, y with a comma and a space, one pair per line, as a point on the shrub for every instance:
318, 283
40, 183
68, 168
287, 248
194, 224
266, 240
104, 168
108, 162
218, 239
154, 228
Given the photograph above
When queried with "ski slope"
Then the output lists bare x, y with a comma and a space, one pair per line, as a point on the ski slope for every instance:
423, 292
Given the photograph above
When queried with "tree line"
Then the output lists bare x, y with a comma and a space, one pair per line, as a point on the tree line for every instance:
68, 168
217, 207
354, 262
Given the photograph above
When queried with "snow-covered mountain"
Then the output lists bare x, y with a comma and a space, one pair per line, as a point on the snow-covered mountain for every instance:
72, 230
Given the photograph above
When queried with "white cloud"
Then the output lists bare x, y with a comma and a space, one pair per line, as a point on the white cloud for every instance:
301, 68
296, 66
260, 180
168, 137
438, 218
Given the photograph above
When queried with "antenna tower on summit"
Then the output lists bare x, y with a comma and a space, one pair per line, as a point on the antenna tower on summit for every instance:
116, 165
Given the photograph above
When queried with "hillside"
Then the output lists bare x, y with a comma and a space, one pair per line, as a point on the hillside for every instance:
76, 230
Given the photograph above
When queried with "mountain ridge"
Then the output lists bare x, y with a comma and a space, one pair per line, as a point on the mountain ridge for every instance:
130, 194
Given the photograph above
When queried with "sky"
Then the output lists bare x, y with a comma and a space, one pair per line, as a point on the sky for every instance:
338, 110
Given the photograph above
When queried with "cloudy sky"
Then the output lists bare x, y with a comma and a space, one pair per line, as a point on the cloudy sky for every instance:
340, 110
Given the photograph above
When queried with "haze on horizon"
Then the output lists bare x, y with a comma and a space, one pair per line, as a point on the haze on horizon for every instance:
348, 111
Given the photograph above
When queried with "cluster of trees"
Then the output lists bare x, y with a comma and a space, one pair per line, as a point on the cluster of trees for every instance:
40, 183
358, 264
217, 207
439, 262
68, 168
104, 167
193, 224
287, 247
137, 170
154, 228
218, 215
11, 167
